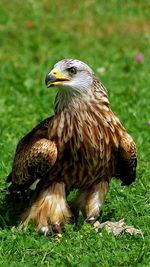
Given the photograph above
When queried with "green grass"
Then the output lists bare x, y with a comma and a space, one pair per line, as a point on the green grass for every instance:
36, 34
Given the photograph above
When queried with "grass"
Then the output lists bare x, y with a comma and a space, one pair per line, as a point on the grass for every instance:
36, 34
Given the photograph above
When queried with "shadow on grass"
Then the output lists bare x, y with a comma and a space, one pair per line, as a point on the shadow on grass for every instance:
107, 216
11, 208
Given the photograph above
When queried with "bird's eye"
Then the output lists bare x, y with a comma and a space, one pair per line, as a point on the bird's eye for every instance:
72, 70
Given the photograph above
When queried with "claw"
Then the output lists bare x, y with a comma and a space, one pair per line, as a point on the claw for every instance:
57, 229
44, 230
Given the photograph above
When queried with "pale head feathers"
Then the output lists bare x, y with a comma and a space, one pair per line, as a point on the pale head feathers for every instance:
81, 80
77, 83
68, 63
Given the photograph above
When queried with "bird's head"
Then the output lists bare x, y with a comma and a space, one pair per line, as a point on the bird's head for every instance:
71, 75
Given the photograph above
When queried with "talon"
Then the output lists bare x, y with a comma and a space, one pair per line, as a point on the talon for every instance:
44, 230
57, 229
91, 220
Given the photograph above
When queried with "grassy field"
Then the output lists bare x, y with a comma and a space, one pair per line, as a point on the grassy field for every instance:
108, 34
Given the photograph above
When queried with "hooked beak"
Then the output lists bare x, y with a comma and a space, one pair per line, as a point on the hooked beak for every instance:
53, 78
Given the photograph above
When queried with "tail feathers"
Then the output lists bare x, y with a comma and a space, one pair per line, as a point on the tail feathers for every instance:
127, 160
126, 171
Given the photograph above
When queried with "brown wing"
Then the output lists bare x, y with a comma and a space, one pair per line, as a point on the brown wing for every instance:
127, 160
35, 156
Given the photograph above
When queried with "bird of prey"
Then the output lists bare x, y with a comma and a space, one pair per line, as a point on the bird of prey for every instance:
82, 146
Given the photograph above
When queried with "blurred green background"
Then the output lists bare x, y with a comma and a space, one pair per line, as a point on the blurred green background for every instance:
34, 35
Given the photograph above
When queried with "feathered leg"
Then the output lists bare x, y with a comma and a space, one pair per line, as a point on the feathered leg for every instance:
90, 201
50, 208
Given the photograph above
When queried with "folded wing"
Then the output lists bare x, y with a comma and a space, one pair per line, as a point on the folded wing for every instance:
35, 156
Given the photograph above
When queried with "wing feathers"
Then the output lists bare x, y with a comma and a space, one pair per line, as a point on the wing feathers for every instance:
127, 160
35, 156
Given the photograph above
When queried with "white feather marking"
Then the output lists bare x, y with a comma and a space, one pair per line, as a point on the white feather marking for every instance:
61, 125
33, 186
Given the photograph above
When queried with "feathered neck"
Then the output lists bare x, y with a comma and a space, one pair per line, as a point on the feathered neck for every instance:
70, 100
74, 99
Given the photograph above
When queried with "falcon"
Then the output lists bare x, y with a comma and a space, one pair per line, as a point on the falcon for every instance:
82, 146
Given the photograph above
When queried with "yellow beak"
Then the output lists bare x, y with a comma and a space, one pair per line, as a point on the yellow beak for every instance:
53, 78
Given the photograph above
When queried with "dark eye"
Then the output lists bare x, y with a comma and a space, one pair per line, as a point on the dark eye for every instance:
72, 70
